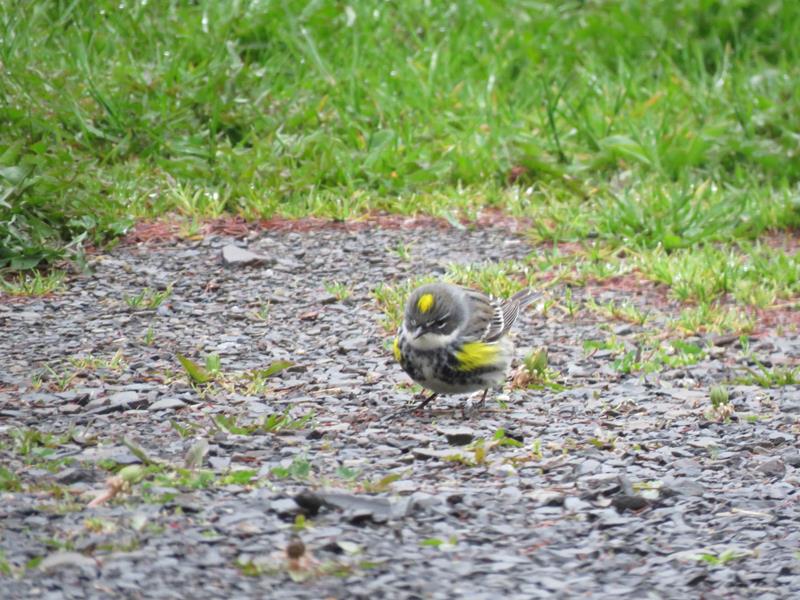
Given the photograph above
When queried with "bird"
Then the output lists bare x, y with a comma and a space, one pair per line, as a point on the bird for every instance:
454, 339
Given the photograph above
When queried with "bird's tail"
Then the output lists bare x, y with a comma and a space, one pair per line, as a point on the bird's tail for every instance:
525, 297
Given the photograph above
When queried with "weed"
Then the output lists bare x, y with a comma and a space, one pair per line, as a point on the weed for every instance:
620, 311
500, 280
229, 424
713, 318
300, 523
258, 379
33, 283
721, 407
239, 477
569, 304
403, 251
213, 364
197, 374
338, 290
59, 381
33, 444
99, 525
9, 481
440, 544
184, 431
148, 299
92, 363
720, 559
381, 484
770, 377
611, 344
299, 468
5, 566
263, 312
346, 473
502, 439
535, 372
283, 422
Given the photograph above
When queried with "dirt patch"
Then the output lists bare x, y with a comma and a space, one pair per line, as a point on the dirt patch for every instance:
162, 231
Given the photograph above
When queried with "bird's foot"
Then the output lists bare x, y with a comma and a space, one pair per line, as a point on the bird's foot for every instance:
471, 408
426, 401
410, 408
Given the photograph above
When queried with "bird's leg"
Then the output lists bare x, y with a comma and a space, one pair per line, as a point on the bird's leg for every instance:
426, 401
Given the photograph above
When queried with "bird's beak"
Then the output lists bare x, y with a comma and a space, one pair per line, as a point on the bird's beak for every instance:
417, 332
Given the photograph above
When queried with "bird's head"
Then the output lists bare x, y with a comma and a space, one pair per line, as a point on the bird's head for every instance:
433, 310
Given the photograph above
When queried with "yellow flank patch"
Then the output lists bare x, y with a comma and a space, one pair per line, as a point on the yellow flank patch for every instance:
396, 349
476, 355
425, 303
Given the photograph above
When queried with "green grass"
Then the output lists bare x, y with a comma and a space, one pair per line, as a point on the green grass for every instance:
770, 377
148, 299
33, 283
337, 289
651, 355
646, 124
752, 273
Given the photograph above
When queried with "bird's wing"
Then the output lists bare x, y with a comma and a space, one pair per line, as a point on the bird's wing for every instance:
486, 320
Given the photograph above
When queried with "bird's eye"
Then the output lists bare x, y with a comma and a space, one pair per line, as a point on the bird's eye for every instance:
440, 323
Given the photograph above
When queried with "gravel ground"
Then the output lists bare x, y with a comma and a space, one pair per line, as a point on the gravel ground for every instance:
621, 486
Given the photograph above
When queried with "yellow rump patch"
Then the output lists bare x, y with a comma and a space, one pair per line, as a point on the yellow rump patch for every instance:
396, 349
476, 355
425, 303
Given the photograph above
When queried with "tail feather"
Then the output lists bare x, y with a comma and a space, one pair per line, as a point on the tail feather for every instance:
508, 311
525, 297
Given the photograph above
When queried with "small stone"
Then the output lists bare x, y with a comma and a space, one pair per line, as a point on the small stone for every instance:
353, 344
235, 256
629, 502
458, 436
187, 503
589, 467
682, 486
429, 453
59, 560
219, 463
258, 408
547, 497
127, 400
773, 467
284, 506
30, 317
575, 504
792, 458
511, 494
167, 404
404, 486
725, 340
72, 475
687, 466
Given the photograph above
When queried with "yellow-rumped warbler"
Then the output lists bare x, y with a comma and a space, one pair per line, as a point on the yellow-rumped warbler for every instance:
453, 339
